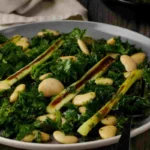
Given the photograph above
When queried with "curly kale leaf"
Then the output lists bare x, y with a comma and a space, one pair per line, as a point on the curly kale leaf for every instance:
103, 94
119, 47
25, 110
70, 46
12, 58
72, 117
133, 105
76, 33
3, 39
146, 75
115, 72
68, 71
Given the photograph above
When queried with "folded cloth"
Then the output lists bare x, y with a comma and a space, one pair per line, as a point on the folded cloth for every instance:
25, 11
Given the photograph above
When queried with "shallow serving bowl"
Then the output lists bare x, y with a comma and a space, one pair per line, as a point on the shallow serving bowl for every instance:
96, 30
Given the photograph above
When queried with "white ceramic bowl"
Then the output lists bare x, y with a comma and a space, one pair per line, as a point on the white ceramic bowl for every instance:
96, 30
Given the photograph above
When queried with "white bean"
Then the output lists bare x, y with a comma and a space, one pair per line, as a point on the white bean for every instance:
128, 63
105, 81
44, 76
54, 32
24, 42
83, 47
44, 117
109, 120
83, 98
111, 41
138, 57
69, 57
65, 139
82, 109
63, 120
28, 138
50, 87
44, 136
20, 88
15, 94
108, 131
13, 97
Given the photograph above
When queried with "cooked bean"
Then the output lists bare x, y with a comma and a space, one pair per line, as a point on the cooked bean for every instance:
108, 131
44, 136
24, 42
44, 76
13, 97
83, 98
69, 57
65, 139
82, 109
83, 47
109, 120
111, 41
105, 81
50, 87
28, 138
128, 63
138, 57
44, 117
20, 88
15, 94
54, 32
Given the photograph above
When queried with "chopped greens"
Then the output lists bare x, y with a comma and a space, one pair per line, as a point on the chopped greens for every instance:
31, 114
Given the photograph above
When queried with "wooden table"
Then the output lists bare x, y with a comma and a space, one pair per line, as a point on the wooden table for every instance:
130, 18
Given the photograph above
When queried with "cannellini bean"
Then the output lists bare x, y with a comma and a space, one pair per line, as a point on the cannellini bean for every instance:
15, 94
69, 57
109, 120
105, 81
44, 117
20, 88
83, 47
28, 138
54, 32
111, 41
128, 63
81, 99
138, 57
63, 120
82, 109
50, 87
44, 76
13, 97
126, 74
113, 55
24, 42
65, 139
44, 136
4, 86
108, 131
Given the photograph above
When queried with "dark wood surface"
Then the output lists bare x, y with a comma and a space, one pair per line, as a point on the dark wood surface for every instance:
133, 18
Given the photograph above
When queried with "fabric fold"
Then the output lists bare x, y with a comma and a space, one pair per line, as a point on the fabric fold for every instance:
26, 11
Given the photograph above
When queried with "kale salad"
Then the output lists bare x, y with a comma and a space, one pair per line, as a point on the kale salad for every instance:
70, 86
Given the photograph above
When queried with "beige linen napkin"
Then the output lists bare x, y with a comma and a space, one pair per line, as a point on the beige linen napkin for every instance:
25, 11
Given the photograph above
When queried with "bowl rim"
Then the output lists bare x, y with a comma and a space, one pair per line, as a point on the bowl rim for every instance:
89, 144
